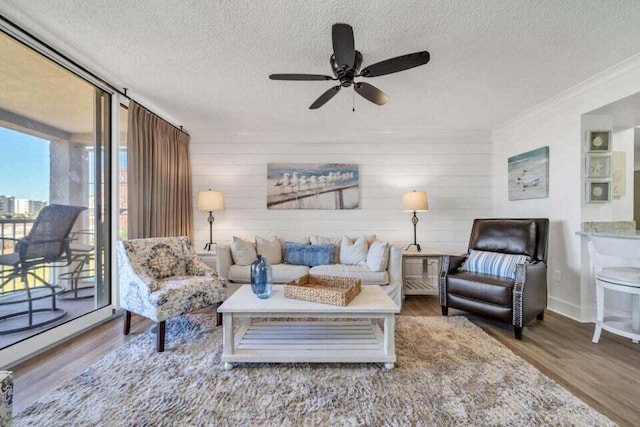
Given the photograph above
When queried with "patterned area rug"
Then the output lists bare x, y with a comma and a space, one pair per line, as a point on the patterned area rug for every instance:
449, 372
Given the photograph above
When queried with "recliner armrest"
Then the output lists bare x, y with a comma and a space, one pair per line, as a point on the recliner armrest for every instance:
451, 263
529, 292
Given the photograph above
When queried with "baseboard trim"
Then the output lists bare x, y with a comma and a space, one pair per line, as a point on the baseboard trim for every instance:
31, 354
566, 309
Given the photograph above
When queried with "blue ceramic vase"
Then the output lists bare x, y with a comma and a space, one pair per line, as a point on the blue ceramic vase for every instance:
261, 277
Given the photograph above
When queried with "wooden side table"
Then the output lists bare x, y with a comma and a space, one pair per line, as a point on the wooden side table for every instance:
420, 271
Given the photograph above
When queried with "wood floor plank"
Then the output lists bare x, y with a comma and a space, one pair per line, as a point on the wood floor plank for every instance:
604, 375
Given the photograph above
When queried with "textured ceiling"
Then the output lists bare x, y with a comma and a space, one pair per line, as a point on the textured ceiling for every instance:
205, 64
35, 88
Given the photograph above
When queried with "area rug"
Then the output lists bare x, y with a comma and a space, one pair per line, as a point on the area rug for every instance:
449, 372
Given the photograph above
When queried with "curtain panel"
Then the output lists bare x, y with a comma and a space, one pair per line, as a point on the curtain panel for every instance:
158, 177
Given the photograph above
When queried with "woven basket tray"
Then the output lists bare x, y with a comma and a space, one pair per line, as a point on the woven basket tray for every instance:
323, 289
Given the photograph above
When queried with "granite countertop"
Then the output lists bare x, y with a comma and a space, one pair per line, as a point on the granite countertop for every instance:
617, 235
615, 229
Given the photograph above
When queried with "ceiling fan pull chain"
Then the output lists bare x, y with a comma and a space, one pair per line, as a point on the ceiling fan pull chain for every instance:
353, 98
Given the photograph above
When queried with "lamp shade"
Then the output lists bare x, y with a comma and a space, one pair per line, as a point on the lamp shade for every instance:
415, 201
210, 201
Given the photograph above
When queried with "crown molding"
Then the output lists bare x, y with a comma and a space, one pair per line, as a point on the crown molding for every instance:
628, 65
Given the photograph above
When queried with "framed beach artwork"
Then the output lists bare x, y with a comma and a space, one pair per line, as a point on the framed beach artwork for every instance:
313, 186
599, 140
528, 175
598, 166
598, 191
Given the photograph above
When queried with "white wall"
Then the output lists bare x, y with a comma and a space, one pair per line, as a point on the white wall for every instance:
454, 167
557, 123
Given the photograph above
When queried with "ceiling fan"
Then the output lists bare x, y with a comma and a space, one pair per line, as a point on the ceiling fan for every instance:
345, 63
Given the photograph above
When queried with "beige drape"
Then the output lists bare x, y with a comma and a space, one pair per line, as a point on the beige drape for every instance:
159, 177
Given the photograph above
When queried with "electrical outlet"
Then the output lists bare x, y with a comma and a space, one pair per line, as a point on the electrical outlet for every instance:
557, 276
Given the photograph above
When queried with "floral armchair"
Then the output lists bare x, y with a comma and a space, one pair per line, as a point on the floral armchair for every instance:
6, 397
161, 278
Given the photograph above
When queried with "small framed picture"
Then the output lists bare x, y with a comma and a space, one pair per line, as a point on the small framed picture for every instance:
598, 166
599, 140
598, 191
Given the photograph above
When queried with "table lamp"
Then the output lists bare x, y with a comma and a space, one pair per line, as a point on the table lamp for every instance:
210, 201
415, 201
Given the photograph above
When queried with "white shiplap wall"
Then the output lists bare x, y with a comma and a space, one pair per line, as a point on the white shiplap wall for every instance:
453, 166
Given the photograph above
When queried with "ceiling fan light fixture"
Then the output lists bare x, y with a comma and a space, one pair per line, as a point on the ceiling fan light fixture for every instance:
345, 64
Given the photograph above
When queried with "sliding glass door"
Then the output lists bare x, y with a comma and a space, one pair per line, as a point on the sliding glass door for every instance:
55, 157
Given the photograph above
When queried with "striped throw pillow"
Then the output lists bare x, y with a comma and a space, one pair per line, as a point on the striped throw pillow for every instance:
493, 263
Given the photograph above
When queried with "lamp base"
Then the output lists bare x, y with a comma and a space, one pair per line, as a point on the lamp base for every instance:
414, 244
207, 247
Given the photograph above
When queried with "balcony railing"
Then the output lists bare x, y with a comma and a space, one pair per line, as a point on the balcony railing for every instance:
13, 228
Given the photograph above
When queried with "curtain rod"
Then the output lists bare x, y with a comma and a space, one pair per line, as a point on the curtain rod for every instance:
82, 68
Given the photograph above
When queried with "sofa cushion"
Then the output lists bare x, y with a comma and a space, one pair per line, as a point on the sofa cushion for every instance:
309, 255
378, 256
354, 252
482, 287
494, 263
271, 249
183, 294
510, 236
242, 251
361, 272
281, 273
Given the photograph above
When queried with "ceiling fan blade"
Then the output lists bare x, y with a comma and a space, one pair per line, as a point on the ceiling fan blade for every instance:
399, 63
300, 77
325, 97
371, 93
343, 45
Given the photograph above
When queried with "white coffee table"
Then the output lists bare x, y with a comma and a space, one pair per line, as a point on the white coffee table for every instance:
287, 340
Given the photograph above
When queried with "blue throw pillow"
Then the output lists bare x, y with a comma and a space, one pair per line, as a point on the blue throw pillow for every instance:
493, 263
310, 255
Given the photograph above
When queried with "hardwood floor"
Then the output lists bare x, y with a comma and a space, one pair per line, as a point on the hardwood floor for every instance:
604, 375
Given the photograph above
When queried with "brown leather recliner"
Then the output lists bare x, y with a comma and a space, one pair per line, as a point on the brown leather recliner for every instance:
516, 301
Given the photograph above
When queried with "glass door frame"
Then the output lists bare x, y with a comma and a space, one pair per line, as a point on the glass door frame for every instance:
23, 350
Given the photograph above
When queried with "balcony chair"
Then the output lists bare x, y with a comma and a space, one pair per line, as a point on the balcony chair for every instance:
518, 252
46, 246
161, 278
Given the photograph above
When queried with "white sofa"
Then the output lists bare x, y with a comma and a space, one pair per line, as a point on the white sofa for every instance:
390, 279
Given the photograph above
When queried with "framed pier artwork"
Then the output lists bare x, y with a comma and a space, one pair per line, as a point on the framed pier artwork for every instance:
313, 186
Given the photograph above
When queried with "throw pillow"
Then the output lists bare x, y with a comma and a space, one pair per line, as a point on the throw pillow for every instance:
378, 256
493, 263
353, 253
304, 239
271, 249
310, 255
162, 262
336, 241
242, 252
